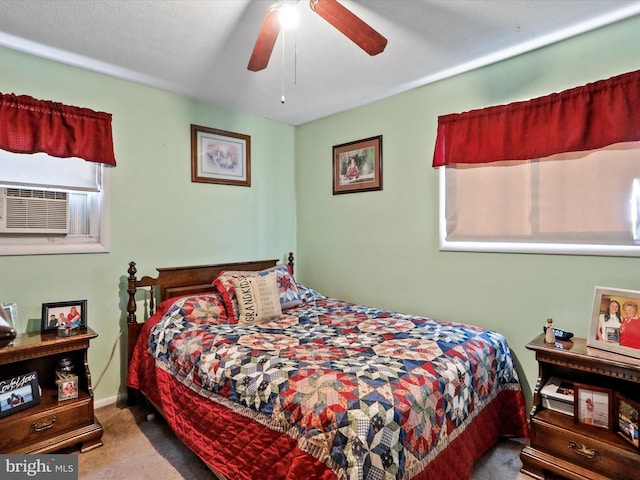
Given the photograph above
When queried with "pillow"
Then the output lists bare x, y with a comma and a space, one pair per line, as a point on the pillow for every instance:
224, 284
163, 306
257, 298
288, 290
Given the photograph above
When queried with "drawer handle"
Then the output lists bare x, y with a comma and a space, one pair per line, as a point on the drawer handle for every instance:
46, 425
584, 451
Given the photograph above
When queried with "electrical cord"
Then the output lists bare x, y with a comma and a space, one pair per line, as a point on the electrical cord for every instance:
113, 351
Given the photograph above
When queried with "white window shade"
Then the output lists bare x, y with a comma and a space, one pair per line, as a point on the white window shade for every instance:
42, 171
582, 202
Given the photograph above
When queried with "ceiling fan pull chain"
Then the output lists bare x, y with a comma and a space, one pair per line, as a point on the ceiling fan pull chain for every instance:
282, 99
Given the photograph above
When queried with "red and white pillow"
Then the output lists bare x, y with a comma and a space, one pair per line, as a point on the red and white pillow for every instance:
288, 292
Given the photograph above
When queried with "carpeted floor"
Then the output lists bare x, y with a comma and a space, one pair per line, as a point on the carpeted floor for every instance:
137, 449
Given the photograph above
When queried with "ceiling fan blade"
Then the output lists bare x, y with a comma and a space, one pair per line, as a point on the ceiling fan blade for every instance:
266, 40
350, 25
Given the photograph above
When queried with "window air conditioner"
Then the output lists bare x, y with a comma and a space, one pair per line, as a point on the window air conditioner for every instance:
24, 210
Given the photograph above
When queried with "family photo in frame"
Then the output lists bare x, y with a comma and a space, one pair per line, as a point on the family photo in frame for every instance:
72, 314
615, 321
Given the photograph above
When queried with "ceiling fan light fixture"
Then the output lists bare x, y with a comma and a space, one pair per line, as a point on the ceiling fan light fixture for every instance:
343, 19
288, 16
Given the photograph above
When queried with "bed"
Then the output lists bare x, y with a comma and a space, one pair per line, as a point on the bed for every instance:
264, 378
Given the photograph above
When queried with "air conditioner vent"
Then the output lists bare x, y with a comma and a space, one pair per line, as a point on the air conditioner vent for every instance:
33, 211
29, 193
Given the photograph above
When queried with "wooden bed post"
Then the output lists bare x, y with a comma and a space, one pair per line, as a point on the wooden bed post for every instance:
131, 290
290, 262
132, 325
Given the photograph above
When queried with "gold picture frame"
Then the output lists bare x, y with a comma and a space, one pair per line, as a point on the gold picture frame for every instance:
67, 387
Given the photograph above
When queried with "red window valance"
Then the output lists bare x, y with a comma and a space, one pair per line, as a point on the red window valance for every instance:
582, 118
28, 125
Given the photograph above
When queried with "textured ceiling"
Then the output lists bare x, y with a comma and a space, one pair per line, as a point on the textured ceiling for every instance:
200, 49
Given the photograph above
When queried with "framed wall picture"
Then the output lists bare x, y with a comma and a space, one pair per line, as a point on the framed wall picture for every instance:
218, 156
593, 405
63, 314
18, 393
357, 166
626, 417
615, 321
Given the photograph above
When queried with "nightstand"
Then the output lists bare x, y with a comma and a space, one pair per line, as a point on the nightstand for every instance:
562, 448
50, 425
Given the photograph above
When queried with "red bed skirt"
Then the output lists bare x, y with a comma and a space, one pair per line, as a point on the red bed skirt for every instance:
241, 448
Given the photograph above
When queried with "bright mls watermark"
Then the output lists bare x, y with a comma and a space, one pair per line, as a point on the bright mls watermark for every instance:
49, 467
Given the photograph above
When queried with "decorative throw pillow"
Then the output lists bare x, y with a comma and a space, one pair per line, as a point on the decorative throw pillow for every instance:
288, 289
257, 298
224, 285
289, 295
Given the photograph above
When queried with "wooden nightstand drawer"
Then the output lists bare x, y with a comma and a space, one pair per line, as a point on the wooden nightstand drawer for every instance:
589, 450
30, 427
562, 448
50, 425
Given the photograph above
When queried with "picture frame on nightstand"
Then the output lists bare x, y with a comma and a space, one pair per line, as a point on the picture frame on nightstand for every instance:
63, 315
18, 393
615, 323
11, 310
593, 406
67, 387
626, 417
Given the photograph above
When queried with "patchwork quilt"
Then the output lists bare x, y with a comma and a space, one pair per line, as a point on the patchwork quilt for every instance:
367, 393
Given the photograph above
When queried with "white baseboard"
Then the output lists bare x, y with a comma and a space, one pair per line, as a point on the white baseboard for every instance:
116, 399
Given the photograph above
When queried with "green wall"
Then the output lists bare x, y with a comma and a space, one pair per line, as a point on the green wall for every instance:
158, 217
381, 248
377, 248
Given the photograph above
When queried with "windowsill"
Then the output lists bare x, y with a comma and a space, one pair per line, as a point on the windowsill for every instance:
541, 248
52, 249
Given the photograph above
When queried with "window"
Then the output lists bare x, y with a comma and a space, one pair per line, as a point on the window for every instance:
52, 205
555, 174
580, 203
53, 180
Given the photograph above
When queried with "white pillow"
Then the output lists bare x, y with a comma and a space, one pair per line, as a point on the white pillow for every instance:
258, 298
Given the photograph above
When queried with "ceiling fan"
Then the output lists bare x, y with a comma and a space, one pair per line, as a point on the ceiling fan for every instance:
333, 12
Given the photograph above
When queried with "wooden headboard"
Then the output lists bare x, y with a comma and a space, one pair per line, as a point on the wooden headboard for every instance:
177, 281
